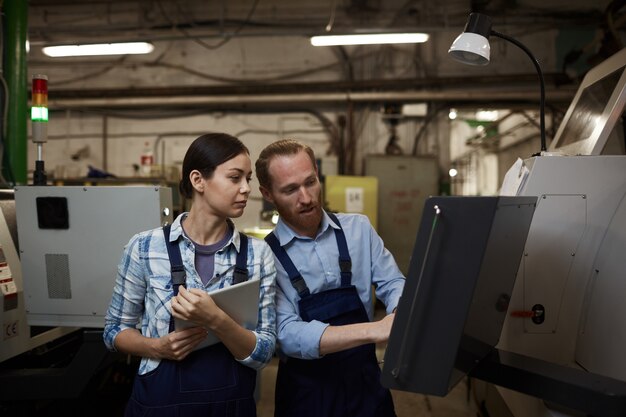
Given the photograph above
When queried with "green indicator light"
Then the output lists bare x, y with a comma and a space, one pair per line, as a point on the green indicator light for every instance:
39, 114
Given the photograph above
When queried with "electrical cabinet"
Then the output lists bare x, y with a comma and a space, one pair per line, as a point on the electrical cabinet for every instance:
71, 240
404, 184
352, 194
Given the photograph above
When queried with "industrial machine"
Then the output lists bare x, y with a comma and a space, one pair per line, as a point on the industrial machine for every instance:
567, 305
59, 250
58, 280
16, 333
563, 326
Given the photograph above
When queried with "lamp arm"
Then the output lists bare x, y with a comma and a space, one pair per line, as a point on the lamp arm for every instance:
542, 102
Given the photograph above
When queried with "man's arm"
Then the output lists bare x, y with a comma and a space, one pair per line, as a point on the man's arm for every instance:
386, 276
339, 338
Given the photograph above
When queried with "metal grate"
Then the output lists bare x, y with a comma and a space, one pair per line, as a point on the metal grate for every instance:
58, 276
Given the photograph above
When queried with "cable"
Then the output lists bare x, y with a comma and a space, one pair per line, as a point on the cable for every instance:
244, 81
226, 39
92, 74
331, 20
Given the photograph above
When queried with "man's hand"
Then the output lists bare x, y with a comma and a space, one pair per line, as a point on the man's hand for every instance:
338, 338
381, 329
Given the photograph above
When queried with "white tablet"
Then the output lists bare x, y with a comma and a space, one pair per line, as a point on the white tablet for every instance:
240, 302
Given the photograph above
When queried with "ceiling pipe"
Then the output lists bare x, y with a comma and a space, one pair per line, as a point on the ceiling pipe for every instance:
310, 99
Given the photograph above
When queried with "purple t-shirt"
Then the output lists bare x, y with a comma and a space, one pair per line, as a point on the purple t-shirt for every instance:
205, 256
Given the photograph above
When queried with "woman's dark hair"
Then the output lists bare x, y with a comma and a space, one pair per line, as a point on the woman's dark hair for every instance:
205, 154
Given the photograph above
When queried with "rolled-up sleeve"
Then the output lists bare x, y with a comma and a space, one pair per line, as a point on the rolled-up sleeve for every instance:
386, 276
127, 302
316, 260
297, 338
265, 331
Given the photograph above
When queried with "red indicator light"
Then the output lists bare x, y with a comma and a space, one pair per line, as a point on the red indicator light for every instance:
40, 85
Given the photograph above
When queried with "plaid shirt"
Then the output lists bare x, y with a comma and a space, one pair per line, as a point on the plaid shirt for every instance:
143, 288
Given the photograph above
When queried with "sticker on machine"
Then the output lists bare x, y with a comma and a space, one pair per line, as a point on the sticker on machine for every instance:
10, 329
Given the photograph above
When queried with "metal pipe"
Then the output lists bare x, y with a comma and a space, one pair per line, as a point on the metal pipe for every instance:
15, 145
222, 101
105, 143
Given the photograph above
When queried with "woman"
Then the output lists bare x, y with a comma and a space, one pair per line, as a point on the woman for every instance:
174, 378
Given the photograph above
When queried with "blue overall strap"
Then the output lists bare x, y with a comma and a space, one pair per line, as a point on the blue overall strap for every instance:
241, 265
345, 262
176, 266
176, 261
294, 275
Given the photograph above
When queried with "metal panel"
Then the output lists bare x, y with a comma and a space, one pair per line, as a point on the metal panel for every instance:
547, 235
453, 306
602, 338
69, 273
601, 180
404, 184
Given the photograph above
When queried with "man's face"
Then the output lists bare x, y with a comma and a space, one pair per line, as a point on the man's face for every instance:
295, 191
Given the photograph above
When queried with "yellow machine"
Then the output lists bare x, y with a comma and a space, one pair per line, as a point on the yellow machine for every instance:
352, 194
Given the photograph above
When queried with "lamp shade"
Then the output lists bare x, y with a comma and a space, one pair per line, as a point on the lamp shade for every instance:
470, 48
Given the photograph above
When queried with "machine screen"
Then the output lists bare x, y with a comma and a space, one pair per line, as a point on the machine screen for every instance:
588, 111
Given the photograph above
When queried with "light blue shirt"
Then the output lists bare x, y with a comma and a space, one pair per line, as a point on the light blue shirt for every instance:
143, 288
317, 261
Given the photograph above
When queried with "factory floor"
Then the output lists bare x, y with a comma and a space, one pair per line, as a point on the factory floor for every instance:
456, 404
109, 389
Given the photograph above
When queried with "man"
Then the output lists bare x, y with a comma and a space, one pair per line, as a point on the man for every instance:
326, 268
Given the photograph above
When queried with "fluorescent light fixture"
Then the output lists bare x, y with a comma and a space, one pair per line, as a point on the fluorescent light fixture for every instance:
126, 48
368, 39
487, 115
415, 109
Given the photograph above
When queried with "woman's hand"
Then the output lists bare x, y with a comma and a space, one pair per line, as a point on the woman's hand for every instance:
180, 343
196, 306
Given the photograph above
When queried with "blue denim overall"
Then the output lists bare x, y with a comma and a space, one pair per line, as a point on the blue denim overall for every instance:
208, 382
342, 384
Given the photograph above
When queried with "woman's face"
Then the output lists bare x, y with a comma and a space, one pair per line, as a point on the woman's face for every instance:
226, 193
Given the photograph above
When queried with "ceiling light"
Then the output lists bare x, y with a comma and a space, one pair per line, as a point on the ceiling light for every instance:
126, 48
487, 115
368, 39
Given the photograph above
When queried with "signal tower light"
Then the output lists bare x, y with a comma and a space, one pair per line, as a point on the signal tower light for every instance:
39, 120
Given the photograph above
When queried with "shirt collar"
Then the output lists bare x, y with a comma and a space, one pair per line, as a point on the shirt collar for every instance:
177, 231
285, 234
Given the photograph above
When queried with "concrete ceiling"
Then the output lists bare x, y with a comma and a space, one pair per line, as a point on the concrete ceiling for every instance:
59, 21
210, 28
